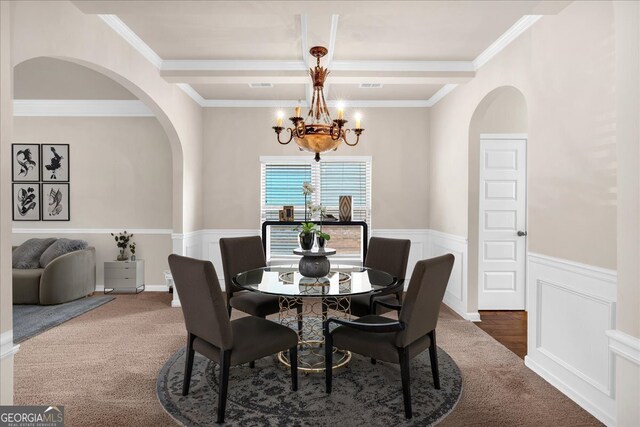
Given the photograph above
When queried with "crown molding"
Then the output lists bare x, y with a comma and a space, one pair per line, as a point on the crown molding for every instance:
231, 65
402, 66
80, 108
132, 38
441, 93
505, 39
189, 90
189, 65
269, 103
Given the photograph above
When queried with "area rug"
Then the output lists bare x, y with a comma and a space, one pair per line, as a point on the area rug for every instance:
362, 394
31, 320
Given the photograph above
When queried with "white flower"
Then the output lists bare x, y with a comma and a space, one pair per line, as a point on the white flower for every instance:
307, 189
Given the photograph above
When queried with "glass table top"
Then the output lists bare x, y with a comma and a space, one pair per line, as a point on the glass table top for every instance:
342, 280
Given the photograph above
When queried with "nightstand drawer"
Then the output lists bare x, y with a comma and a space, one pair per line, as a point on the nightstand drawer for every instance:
129, 283
124, 273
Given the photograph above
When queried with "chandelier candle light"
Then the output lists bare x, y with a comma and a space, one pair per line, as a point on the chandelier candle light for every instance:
318, 133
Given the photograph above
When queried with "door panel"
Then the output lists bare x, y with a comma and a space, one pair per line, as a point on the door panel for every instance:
502, 211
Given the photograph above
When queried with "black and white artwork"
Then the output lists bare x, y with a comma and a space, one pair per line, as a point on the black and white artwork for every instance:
25, 165
26, 201
55, 162
55, 202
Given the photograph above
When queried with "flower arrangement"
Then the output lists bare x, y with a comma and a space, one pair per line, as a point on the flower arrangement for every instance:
122, 242
307, 228
132, 248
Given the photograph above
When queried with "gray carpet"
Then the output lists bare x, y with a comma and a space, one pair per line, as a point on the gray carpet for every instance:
262, 396
31, 320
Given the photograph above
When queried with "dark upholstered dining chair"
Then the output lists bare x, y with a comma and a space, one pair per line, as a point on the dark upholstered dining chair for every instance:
210, 333
398, 341
240, 254
391, 256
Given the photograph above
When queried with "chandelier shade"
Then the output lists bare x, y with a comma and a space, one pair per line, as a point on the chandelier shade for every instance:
318, 132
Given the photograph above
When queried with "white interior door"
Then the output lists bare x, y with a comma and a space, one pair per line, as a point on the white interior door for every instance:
502, 230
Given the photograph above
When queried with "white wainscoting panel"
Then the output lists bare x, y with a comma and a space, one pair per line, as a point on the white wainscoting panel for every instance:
211, 247
456, 295
571, 306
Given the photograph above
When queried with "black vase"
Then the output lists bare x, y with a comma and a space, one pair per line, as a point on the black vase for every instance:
321, 242
306, 240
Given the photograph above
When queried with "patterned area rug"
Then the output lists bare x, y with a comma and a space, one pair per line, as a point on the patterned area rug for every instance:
31, 320
362, 394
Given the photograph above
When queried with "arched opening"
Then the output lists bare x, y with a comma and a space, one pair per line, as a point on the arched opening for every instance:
502, 111
122, 167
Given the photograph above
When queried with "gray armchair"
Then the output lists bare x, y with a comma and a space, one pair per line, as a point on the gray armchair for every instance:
66, 278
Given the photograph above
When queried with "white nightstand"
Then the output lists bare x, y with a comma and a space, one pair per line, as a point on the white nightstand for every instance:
124, 276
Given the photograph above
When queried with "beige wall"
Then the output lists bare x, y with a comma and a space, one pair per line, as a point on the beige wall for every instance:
6, 130
52, 29
121, 179
566, 75
235, 138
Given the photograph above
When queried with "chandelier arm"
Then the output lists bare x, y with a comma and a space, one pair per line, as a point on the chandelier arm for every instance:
344, 137
290, 136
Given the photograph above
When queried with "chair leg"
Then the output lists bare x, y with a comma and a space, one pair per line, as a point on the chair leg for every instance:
403, 355
188, 364
225, 356
328, 358
433, 355
229, 310
299, 311
252, 364
293, 359
373, 361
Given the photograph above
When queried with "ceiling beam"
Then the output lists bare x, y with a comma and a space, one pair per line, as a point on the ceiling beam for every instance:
427, 79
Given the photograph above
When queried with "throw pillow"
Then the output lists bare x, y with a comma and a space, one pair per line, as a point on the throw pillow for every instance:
28, 254
61, 247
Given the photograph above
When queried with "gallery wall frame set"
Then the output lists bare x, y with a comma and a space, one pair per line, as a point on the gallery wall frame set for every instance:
40, 172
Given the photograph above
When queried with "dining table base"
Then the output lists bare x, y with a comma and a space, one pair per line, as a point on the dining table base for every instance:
311, 353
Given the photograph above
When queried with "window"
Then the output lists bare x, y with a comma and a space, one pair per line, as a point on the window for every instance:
282, 179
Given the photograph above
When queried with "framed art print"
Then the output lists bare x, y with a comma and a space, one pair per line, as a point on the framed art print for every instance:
26, 201
25, 162
55, 162
55, 202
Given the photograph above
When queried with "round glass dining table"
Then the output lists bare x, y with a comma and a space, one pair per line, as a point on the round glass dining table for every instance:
318, 299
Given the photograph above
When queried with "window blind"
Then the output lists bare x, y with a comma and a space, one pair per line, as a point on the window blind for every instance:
281, 185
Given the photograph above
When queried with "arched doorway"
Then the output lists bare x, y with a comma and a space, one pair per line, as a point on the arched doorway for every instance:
502, 114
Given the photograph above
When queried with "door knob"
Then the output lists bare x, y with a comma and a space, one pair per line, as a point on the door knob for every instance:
522, 233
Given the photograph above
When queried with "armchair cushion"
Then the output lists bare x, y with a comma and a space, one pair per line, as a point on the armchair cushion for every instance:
257, 304
379, 345
272, 338
27, 255
61, 247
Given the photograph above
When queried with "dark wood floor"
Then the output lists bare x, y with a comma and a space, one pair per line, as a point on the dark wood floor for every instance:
509, 328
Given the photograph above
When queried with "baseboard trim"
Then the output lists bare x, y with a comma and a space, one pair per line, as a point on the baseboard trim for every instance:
474, 317
569, 392
7, 347
624, 345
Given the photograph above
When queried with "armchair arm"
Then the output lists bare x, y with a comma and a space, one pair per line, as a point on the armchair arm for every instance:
391, 326
68, 277
396, 307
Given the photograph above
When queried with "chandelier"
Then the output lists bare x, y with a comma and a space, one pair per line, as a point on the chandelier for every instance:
318, 133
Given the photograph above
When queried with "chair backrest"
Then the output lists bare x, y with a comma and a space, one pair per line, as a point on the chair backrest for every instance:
389, 255
422, 302
240, 254
203, 305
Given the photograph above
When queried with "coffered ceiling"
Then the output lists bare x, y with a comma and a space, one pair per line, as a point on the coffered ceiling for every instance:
255, 53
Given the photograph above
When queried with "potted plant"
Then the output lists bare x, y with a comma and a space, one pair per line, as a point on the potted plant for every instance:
122, 242
307, 228
321, 236
132, 248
